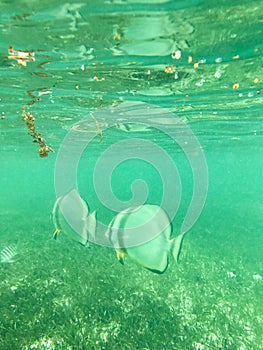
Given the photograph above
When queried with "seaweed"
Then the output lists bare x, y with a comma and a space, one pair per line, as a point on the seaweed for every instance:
29, 120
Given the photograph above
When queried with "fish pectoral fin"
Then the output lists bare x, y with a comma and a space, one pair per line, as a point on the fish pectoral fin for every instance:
56, 232
120, 256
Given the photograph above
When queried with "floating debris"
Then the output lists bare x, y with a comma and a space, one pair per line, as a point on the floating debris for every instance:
96, 78
29, 119
97, 126
8, 253
40, 65
45, 92
218, 60
41, 74
22, 17
190, 59
170, 69
176, 55
36, 94
21, 56
235, 86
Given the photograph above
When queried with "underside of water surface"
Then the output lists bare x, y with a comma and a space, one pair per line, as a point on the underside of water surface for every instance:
133, 102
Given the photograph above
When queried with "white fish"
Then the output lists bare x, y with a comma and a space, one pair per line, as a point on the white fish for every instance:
153, 250
142, 233
8, 253
78, 224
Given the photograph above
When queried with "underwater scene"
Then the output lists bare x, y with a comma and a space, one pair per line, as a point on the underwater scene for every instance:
131, 175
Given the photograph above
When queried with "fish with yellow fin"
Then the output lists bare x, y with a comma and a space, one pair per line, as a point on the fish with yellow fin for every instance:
142, 233
152, 250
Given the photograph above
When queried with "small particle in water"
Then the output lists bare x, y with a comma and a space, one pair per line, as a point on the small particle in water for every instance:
250, 94
3, 116
96, 78
203, 60
176, 55
215, 113
257, 277
258, 92
256, 80
255, 132
236, 57
196, 65
45, 92
256, 49
217, 74
148, 71
186, 95
76, 87
235, 86
231, 274
170, 69
190, 59
82, 67
240, 94
176, 76
218, 60
200, 83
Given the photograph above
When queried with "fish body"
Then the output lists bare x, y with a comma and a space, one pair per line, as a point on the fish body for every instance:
154, 250
142, 233
70, 214
8, 253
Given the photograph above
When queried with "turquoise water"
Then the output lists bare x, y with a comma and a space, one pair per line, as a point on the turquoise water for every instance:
57, 294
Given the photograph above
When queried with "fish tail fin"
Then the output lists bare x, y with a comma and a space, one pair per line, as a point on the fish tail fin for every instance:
176, 246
